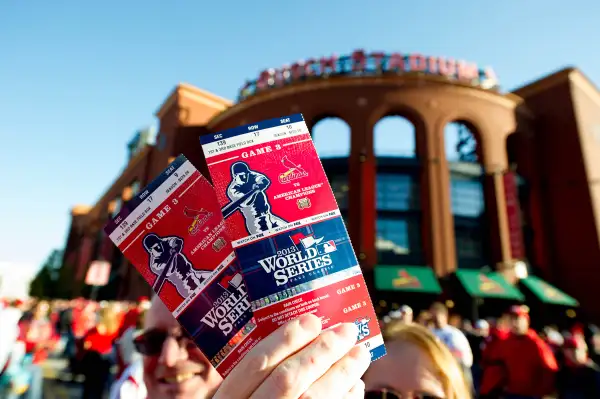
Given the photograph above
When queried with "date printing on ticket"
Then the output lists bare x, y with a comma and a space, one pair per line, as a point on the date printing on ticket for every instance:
286, 228
174, 234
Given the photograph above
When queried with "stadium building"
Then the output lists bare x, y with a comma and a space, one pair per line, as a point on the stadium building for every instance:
440, 175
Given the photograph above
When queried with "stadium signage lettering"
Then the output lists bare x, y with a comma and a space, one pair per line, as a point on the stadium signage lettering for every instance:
360, 63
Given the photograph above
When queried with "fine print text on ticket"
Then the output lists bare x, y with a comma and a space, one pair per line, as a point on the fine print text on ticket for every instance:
286, 228
174, 234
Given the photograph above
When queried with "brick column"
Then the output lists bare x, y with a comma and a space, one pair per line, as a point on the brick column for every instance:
438, 223
495, 205
495, 164
361, 196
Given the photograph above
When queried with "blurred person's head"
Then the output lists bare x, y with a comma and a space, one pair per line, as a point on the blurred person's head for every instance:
439, 315
575, 351
406, 314
467, 325
41, 309
519, 319
578, 330
553, 336
395, 314
424, 318
591, 330
108, 319
455, 321
174, 367
417, 363
503, 322
482, 328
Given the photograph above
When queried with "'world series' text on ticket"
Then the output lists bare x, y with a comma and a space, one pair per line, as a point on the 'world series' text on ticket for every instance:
286, 228
174, 234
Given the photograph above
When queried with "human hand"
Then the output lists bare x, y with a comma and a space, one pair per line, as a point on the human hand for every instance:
297, 362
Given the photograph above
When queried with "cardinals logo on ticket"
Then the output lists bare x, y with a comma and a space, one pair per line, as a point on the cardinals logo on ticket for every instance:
174, 234
286, 228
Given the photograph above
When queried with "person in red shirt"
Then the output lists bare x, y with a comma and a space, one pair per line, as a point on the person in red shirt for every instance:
37, 333
525, 365
493, 369
77, 325
98, 353
133, 315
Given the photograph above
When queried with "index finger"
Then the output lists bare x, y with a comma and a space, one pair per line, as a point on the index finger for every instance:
256, 366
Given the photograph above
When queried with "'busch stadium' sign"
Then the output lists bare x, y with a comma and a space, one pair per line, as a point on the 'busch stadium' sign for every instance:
360, 63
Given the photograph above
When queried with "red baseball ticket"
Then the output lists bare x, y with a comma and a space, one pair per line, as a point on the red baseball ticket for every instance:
173, 232
286, 228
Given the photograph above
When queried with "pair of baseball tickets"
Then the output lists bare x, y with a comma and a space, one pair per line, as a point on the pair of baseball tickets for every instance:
263, 245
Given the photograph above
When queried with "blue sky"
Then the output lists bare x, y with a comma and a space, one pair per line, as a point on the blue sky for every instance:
78, 78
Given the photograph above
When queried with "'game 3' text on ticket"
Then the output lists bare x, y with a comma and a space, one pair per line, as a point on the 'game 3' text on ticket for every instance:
286, 228
174, 234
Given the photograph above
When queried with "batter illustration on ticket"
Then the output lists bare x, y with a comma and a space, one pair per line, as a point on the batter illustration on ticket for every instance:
173, 232
286, 228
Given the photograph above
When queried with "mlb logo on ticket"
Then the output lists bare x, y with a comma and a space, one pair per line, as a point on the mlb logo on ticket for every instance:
286, 228
174, 234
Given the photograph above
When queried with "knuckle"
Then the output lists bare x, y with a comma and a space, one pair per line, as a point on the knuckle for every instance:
257, 362
289, 334
310, 360
327, 341
283, 380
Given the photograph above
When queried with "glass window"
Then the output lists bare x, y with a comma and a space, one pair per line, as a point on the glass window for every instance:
467, 238
339, 185
460, 143
399, 239
467, 197
397, 192
468, 208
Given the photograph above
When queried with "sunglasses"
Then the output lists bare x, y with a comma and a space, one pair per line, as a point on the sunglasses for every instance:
150, 342
390, 394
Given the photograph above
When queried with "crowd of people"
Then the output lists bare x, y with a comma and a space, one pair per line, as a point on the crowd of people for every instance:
138, 350
95, 338
505, 358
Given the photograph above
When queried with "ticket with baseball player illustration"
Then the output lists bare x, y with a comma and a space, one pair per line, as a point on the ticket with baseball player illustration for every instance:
286, 228
173, 232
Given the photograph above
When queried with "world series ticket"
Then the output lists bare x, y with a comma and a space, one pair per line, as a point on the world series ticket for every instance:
173, 232
286, 228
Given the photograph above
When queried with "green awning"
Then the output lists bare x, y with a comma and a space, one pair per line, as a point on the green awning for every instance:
488, 285
406, 278
547, 293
